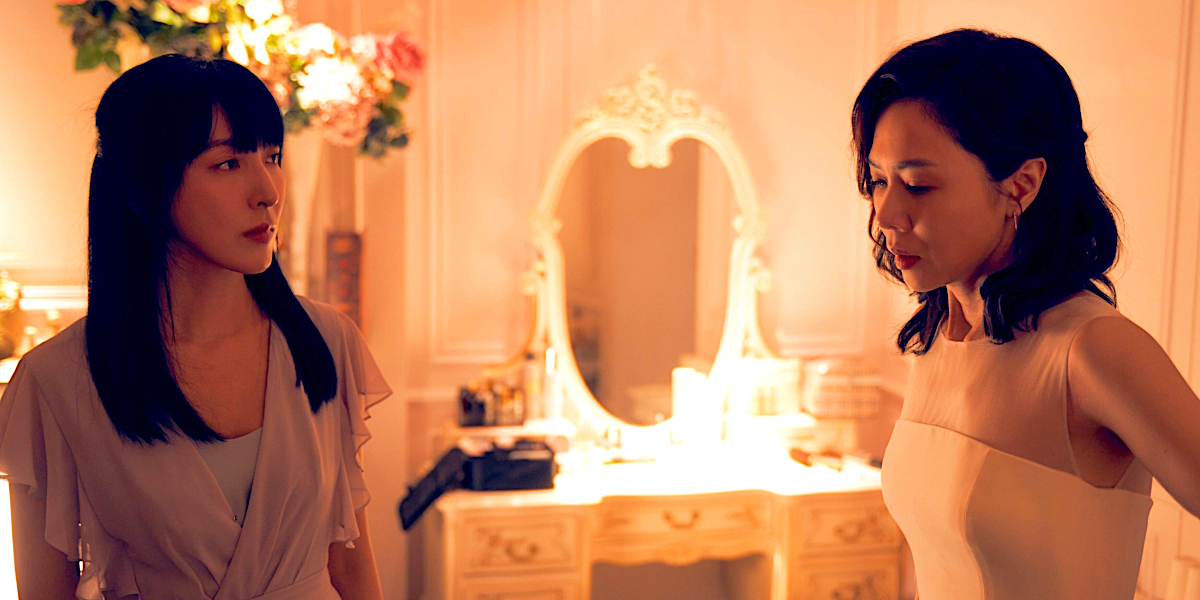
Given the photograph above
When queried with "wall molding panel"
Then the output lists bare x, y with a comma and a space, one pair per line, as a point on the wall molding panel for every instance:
1172, 531
460, 333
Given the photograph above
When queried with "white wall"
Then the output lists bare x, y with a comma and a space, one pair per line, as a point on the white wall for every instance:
49, 140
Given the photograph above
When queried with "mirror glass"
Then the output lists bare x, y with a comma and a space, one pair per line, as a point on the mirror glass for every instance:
646, 255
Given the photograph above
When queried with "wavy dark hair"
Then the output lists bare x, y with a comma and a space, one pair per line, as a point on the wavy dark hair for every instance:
151, 123
1004, 100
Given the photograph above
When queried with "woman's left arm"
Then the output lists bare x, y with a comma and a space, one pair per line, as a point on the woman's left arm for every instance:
1121, 378
352, 570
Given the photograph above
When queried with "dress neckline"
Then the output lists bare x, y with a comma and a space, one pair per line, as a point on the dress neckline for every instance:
245, 437
210, 482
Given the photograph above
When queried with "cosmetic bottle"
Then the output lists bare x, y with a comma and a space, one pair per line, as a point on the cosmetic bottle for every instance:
471, 408
488, 398
464, 406
531, 383
551, 391
518, 407
504, 415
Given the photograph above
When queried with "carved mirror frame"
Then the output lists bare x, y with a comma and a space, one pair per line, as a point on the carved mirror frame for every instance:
650, 117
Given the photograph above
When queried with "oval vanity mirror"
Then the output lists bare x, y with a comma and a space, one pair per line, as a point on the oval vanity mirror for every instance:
646, 279
645, 275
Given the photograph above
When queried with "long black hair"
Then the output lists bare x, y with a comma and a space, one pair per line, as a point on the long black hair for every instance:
151, 123
1005, 100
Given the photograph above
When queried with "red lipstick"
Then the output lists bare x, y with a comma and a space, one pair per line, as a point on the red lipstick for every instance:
906, 262
261, 234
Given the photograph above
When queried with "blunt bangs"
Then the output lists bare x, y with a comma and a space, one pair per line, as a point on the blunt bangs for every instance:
254, 117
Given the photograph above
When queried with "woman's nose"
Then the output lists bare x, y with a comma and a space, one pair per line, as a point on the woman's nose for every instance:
268, 185
890, 211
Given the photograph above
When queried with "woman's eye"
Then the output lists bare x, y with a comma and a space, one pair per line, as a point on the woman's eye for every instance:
277, 158
228, 165
875, 184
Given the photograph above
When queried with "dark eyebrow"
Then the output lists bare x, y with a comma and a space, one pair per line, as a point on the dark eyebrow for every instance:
216, 143
229, 142
907, 164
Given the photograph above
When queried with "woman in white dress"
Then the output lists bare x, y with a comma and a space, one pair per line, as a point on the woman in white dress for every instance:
1021, 465
196, 436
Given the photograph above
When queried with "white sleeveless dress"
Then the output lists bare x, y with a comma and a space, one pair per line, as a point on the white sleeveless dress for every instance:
980, 476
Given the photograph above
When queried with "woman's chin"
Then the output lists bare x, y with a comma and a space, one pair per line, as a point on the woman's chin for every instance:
919, 284
251, 266
259, 268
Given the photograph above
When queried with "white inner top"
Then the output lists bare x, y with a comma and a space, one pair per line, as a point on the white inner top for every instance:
232, 464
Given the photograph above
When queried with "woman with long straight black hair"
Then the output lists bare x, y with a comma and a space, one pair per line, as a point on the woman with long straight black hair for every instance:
196, 436
1036, 414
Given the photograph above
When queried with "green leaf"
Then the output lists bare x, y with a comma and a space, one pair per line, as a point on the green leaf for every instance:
70, 14
163, 14
390, 113
399, 91
105, 11
87, 57
113, 61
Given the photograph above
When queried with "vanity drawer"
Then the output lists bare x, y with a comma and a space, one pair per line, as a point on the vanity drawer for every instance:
518, 542
853, 524
849, 578
522, 588
633, 517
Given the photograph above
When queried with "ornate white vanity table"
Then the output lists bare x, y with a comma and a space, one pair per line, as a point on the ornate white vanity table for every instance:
720, 484
822, 534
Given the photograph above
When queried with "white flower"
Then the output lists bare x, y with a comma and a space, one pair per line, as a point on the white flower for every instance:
262, 10
199, 14
245, 38
9, 291
279, 25
328, 80
236, 47
365, 47
313, 37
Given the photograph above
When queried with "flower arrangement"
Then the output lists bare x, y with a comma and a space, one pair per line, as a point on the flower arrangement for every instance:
10, 299
10, 294
350, 89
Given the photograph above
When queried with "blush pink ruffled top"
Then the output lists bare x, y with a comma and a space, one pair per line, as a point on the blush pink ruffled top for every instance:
980, 476
152, 521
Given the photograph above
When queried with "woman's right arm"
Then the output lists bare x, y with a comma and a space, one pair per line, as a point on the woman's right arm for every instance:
42, 571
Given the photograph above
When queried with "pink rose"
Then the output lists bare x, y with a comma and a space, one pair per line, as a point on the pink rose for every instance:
182, 6
345, 123
401, 55
365, 48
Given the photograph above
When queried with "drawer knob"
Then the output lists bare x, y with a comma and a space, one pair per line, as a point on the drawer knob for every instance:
521, 554
849, 532
867, 589
681, 524
848, 593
